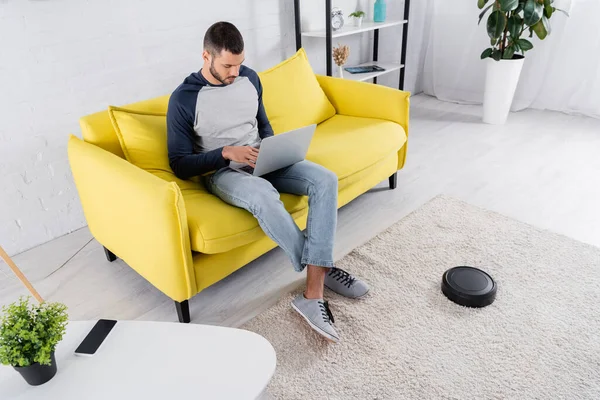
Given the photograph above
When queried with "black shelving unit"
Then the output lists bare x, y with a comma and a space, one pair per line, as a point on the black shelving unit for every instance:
329, 35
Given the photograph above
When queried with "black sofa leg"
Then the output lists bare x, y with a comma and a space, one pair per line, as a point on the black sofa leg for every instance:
109, 255
183, 311
394, 181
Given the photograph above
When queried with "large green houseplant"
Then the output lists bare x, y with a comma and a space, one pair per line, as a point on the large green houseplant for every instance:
29, 334
509, 20
510, 25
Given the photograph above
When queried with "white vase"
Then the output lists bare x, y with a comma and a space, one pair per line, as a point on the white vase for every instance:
501, 82
341, 71
358, 22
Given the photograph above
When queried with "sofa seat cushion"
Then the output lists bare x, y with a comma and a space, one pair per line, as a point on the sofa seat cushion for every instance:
217, 227
347, 145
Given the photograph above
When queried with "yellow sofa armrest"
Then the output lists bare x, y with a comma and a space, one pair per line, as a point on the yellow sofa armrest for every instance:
361, 99
137, 216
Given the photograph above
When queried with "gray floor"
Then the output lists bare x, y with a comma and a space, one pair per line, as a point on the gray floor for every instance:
542, 168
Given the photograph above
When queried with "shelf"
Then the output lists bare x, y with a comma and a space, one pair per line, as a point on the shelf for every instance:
389, 67
351, 30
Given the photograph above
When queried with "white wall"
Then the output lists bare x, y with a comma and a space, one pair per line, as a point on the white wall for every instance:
62, 59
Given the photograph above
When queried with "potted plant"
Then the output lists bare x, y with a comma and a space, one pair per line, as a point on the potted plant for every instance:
508, 21
358, 18
29, 334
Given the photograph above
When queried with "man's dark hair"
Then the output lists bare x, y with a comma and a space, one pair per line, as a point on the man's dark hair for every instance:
223, 36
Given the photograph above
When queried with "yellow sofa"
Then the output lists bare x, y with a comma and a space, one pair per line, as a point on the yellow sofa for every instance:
181, 238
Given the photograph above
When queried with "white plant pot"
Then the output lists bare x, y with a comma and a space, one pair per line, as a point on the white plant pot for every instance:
341, 71
501, 82
358, 22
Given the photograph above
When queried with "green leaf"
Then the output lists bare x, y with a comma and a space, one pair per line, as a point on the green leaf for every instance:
510, 25
548, 9
497, 55
525, 44
540, 30
508, 5
509, 52
487, 53
496, 24
483, 13
481, 3
533, 12
514, 26
493, 42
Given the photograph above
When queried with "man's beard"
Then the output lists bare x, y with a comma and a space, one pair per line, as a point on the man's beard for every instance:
218, 76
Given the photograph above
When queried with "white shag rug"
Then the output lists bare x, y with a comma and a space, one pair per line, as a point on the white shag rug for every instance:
540, 339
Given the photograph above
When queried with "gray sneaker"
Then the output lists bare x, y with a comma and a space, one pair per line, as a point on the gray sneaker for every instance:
345, 284
316, 312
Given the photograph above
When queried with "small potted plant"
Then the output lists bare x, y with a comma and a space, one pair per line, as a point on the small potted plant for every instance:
358, 18
29, 334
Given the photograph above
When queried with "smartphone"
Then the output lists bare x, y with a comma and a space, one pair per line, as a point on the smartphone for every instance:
95, 337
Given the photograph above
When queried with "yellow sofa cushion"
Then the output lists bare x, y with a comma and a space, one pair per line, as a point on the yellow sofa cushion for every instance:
143, 138
217, 227
292, 95
347, 145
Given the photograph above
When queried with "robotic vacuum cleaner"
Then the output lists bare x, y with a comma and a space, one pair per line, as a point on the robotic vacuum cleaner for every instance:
469, 287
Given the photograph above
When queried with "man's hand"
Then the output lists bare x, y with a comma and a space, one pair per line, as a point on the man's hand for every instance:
241, 154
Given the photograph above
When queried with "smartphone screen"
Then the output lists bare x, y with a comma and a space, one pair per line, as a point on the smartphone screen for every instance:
94, 339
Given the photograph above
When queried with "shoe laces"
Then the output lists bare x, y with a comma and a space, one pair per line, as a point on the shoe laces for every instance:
342, 276
326, 312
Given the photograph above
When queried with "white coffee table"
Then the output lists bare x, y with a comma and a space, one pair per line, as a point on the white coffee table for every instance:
154, 360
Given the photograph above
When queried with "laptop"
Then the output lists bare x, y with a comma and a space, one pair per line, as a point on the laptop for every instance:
279, 151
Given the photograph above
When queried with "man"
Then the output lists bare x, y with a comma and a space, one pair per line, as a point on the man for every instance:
216, 116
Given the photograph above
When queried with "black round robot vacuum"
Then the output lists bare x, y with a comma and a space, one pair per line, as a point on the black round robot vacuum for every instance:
469, 287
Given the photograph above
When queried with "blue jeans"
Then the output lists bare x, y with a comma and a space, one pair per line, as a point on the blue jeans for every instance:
260, 196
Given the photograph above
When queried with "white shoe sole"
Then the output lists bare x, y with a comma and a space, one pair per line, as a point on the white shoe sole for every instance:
315, 327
